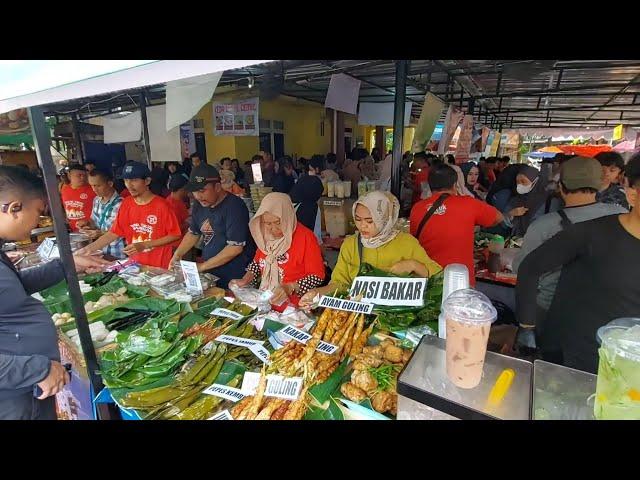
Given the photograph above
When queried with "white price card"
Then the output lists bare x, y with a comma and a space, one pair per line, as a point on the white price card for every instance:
238, 341
191, 277
260, 352
283, 387
250, 383
223, 415
303, 337
224, 391
223, 312
345, 305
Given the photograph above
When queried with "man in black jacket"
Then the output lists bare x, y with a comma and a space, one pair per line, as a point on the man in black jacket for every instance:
29, 353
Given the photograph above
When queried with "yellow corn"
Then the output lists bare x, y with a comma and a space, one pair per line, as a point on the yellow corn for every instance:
501, 387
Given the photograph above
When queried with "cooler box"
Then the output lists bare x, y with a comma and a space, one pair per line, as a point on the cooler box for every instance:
426, 393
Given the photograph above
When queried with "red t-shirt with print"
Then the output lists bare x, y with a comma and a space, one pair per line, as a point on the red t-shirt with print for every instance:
448, 235
140, 223
182, 213
78, 203
303, 258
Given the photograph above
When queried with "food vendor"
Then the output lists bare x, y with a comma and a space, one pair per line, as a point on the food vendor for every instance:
29, 354
288, 260
378, 243
600, 281
222, 220
106, 206
144, 220
77, 196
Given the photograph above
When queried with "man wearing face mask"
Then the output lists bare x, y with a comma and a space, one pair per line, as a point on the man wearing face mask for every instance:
29, 354
580, 180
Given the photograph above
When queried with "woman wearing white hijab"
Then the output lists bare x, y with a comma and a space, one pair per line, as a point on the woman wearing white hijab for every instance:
288, 259
383, 245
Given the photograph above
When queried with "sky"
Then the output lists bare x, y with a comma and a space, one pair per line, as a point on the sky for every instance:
20, 77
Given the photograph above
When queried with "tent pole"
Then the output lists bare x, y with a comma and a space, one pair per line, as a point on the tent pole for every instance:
42, 139
402, 68
145, 127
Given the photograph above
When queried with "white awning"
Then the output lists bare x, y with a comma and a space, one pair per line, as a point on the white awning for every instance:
41, 82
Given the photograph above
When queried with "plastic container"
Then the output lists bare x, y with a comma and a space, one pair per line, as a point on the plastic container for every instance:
331, 189
362, 188
346, 186
371, 186
339, 188
469, 315
618, 384
456, 277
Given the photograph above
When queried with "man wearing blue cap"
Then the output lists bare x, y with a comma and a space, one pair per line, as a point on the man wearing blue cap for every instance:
222, 220
144, 220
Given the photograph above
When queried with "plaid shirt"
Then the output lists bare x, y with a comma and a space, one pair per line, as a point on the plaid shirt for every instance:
103, 215
614, 195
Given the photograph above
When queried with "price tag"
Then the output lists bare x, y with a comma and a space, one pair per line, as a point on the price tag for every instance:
256, 169
303, 337
345, 305
46, 248
191, 277
223, 312
224, 391
238, 341
223, 415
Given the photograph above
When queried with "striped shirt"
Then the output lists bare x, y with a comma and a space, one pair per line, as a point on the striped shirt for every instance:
103, 215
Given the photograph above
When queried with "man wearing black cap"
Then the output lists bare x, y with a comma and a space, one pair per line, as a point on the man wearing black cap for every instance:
144, 220
223, 224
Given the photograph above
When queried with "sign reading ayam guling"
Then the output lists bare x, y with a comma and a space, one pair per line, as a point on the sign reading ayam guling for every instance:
389, 291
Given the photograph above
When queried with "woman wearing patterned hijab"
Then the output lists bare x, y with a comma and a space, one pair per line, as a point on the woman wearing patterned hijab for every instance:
379, 243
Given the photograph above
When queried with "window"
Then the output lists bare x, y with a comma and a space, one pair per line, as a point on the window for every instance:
272, 137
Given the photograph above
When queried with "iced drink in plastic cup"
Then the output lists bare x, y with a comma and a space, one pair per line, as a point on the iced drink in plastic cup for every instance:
468, 316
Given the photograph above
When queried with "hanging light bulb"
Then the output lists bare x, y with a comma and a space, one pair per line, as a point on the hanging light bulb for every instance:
251, 81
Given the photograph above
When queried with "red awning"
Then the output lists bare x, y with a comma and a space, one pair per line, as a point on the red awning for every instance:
584, 150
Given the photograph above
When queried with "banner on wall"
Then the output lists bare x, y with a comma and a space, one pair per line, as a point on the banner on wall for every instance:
429, 116
463, 147
187, 139
236, 119
450, 125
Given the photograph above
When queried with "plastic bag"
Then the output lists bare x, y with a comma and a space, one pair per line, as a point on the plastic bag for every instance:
253, 297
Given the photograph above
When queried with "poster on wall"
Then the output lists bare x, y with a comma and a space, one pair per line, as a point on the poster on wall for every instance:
237, 119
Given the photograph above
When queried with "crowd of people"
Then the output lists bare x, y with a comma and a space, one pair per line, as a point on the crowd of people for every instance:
563, 210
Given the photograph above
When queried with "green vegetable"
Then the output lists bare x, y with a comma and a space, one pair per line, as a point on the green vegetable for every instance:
385, 375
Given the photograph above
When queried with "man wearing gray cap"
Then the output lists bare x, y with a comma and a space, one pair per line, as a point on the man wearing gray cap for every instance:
580, 181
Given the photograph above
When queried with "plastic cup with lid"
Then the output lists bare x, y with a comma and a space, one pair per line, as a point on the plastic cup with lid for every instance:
468, 316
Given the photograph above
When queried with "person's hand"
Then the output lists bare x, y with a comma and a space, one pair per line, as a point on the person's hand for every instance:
83, 224
307, 299
279, 295
403, 267
89, 264
239, 282
134, 248
91, 233
175, 259
55, 381
518, 212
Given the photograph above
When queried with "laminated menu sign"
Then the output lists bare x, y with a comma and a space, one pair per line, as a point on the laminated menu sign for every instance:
223, 415
191, 277
239, 341
224, 391
303, 337
345, 305
390, 291
260, 352
223, 312
283, 387
238, 118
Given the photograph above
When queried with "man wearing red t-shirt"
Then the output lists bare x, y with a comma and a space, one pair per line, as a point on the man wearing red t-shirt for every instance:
77, 197
144, 220
178, 200
448, 235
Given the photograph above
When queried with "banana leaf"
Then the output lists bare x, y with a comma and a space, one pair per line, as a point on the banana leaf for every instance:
332, 412
190, 320
321, 392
